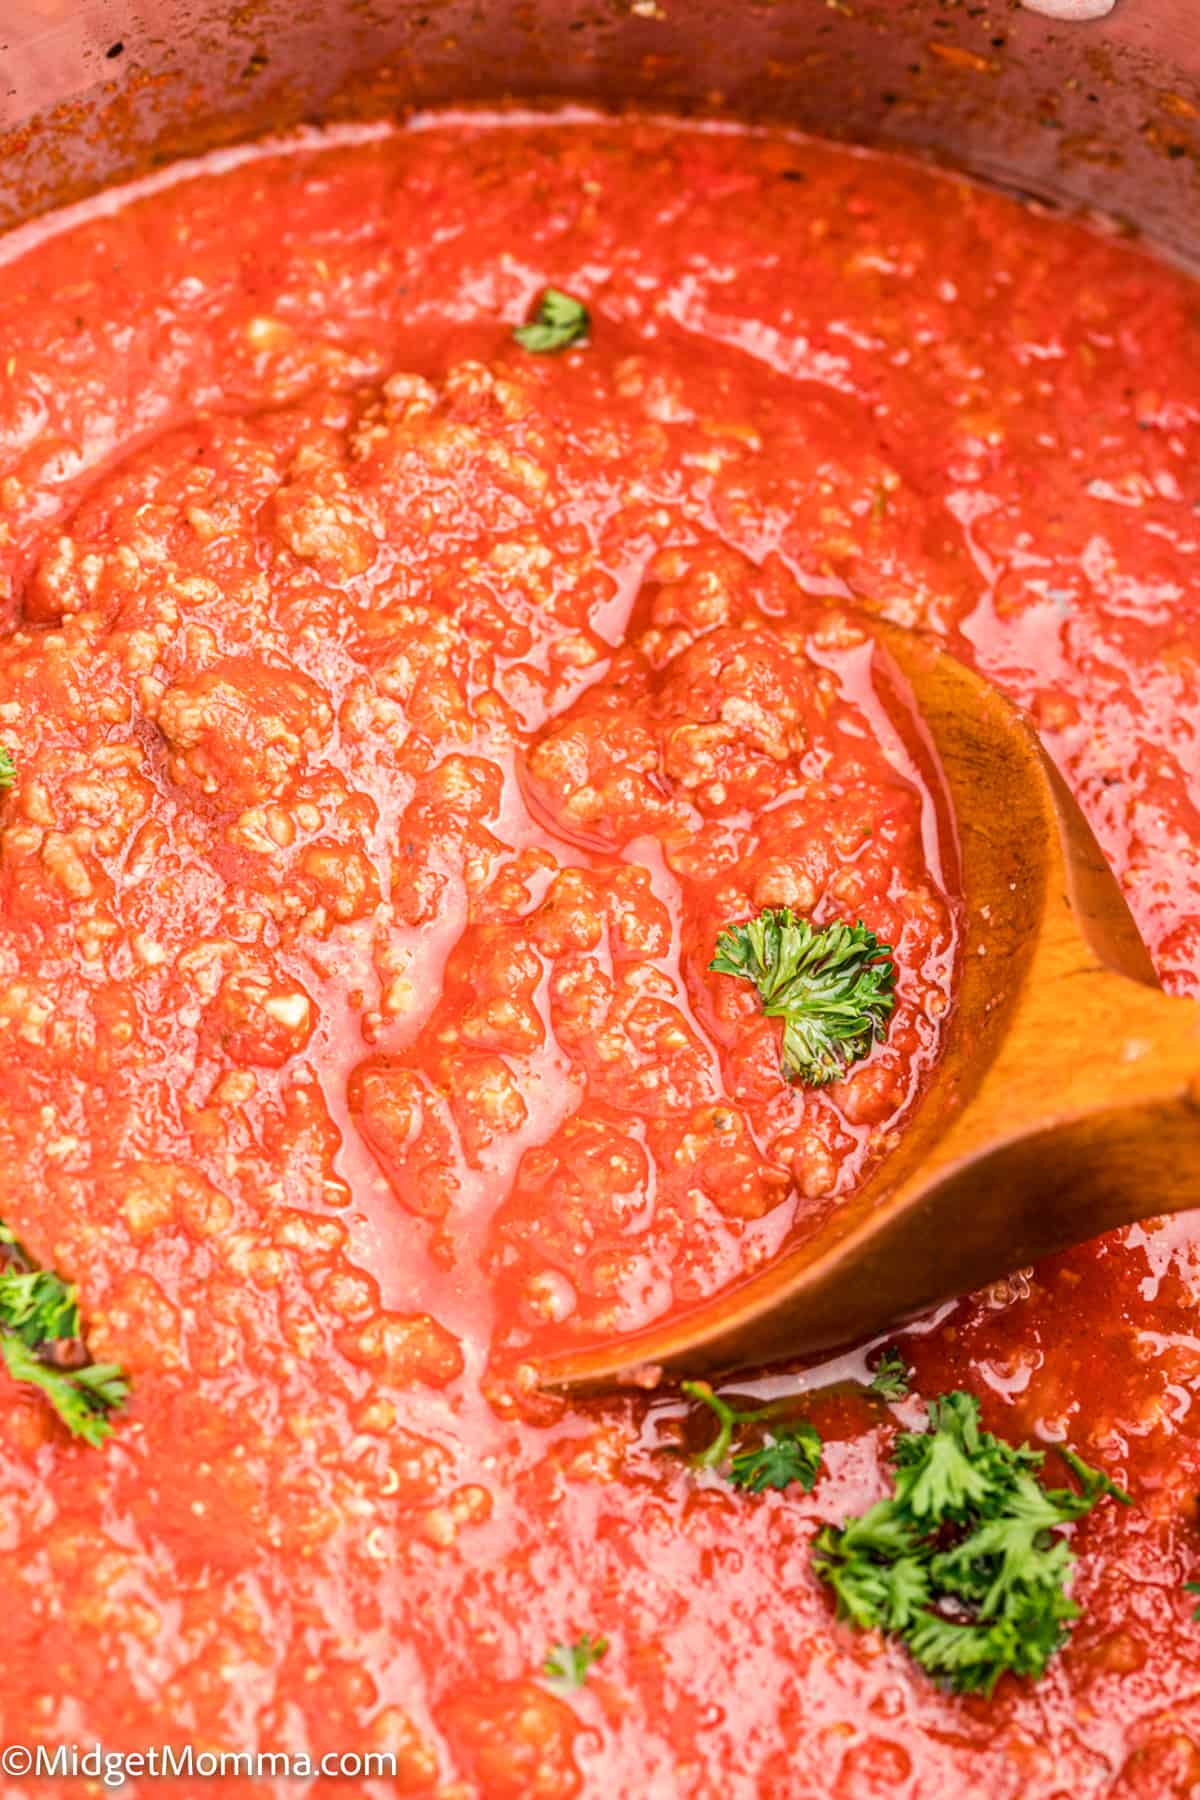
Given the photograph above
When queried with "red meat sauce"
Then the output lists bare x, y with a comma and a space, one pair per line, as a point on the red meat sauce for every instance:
398, 718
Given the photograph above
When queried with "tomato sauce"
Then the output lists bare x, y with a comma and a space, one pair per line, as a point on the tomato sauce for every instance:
398, 718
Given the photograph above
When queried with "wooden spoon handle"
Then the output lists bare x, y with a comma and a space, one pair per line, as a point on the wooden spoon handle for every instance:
1106, 1130
1036, 1193
1081, 1028
1084, 1043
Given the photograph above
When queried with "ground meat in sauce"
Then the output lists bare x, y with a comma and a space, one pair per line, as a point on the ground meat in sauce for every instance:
398, 717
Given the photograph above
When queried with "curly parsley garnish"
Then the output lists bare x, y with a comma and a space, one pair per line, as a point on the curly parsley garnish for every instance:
42, 1344
790, 1453
833, 987
558, 322
964, 1563
890, 1380
569, 1663
8, 768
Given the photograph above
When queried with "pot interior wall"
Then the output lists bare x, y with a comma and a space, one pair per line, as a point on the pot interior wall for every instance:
1104, 114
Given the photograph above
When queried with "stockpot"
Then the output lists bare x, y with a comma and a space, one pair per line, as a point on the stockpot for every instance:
1098, 111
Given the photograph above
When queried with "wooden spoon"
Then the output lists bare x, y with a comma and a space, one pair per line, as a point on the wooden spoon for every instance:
1067, 1098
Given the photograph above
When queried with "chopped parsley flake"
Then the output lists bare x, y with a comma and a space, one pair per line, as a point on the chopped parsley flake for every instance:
791, 1455
8, 768
890, 1380
570, 1663
41, 1344
558, 322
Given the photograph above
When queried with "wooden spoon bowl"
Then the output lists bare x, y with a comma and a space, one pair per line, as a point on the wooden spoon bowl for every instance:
1067, 1099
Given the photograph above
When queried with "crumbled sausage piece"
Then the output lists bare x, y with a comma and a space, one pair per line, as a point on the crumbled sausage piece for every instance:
518, 1740
240, 730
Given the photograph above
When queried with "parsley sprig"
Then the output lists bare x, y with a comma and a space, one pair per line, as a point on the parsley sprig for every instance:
790, 1452
42, 1344
832, 987
560, 320
891, 1378
965, 1562
569, 1664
